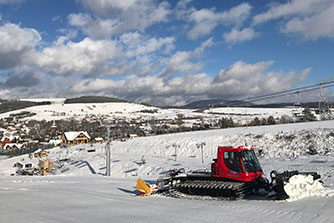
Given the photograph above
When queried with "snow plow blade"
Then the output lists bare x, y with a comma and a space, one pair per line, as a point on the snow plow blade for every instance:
143, 188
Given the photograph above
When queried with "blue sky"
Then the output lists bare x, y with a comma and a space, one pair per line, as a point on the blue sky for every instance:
164, 52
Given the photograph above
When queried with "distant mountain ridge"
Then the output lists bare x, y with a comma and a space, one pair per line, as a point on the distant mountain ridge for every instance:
93, 99
215, 103
12, 105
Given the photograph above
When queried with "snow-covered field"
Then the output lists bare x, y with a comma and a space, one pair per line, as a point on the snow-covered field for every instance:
79, 192
52, 100
89, 199
58, 111
244, 115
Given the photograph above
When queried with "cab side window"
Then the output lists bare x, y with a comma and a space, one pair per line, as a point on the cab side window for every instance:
232, 161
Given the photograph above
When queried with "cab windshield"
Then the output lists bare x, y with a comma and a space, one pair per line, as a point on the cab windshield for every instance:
251, 164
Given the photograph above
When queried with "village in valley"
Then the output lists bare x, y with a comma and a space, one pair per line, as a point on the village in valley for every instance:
21, 133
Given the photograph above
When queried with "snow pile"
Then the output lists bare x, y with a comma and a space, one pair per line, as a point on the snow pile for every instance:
302, 186
293, 143
270, 144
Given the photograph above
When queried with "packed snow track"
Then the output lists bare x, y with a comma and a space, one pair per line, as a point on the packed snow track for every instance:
103, 199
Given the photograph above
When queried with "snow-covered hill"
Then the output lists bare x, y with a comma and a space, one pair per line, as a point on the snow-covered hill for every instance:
79, 185
57, 110
275, 141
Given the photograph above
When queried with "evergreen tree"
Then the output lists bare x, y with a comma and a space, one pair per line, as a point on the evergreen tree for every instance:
255, 122
271, 120
308, 115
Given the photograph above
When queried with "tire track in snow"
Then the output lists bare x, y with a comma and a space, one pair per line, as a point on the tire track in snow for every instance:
275, 213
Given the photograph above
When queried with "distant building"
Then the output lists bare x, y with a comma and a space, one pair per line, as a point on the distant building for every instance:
55, 142
54, 128
132, 136
173, 126
74, 138
9, 139
10, 146
98, 140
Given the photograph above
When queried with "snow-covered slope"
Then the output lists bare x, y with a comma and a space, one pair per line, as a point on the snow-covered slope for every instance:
80, 186
57, 110
60, 111
285, 141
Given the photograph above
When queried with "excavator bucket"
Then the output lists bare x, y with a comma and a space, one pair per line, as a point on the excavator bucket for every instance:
143, 187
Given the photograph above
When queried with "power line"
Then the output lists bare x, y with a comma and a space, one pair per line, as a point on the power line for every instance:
284, 93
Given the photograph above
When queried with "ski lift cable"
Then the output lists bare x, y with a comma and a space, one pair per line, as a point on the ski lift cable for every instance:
288, 93
294, 90
323, 85
283, 94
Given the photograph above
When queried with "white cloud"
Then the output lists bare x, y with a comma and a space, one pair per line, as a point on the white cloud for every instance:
237, 35
234, 82
179, 62
242, 79
15, 43
313, 27
291, 8
4, 94
11, 1
118, 17
205, 20
181, 8
95, 28
79, 19
311, 19
131, 53
137, 44
200, 50
152, 89
182, 62
84, 57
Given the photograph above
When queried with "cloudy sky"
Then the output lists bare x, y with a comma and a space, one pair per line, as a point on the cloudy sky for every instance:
163, 52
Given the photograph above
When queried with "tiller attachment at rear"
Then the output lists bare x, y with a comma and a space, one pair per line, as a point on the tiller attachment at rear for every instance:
279, 180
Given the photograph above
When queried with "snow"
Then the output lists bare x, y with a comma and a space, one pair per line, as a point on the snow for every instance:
301, 186
79, 192
101, 199
58, 111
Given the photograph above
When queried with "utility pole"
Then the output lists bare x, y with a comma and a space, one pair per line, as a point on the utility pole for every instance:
321, 98
324, 101
201, 145
175, 152
107, 149
108, 158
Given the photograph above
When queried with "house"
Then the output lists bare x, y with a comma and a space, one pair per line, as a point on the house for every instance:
99, 140
54, 129
40, 154
75, 137
10, 146
55, 142
132, 136
171, 126
44, 167
9, 139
